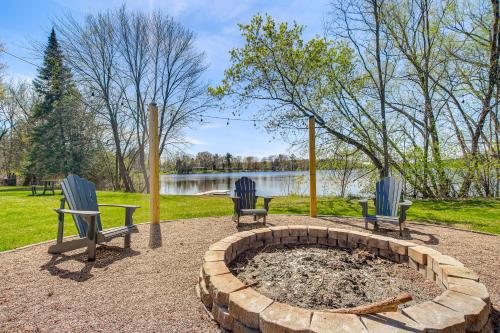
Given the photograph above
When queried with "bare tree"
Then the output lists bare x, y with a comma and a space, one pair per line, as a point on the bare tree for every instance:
127, 59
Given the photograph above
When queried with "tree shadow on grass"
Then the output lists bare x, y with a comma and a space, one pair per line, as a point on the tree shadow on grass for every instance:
105, 256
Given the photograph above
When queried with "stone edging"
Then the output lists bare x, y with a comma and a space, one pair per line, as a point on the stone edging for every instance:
464, 306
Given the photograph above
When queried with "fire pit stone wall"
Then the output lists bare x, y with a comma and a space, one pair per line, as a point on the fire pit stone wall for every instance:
464, 305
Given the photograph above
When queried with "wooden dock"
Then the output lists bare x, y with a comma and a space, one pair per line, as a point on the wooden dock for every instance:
215, 192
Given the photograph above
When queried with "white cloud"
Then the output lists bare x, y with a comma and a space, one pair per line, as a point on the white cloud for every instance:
193, 141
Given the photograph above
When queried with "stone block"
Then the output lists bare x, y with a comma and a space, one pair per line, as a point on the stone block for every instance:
317, 231
435, 260
339, 234
289, 240
297, 230
273, 241
332, 242
422, 269
303, 240
221, 246
400, 246
214, 268
221, 315
239, 327
379, 242
342, 244
357, 237
257, 244
205, 296
413, 264
469, 287
430, 274
222, 285
214, 256
385, 253
324, 241
475, 311
460, 272
279, 317
391, 322
419, 253
246, 305
262, 234
280, 231
248, 235
312, 240
435, 317
325, 322
352, 245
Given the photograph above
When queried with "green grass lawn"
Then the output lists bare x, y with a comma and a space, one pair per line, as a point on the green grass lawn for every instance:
25, 219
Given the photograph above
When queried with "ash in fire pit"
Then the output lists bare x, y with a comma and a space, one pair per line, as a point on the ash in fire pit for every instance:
320, 277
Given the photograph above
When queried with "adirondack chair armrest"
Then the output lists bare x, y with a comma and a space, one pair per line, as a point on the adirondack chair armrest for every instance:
364, 206
405, 205
83, 213
129, 211
267, 200
118, 205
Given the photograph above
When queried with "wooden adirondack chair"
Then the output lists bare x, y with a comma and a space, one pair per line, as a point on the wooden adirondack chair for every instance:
80, 194
245, 200
387, 201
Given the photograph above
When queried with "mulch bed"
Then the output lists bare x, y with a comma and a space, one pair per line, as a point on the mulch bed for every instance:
323, 277
141, 289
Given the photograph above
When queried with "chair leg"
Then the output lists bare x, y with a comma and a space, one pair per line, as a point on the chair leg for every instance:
264, 220
400, 229
255, 218
92, 239
238, 221
127, 241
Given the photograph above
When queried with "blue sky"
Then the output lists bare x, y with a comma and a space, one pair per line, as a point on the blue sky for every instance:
23, 22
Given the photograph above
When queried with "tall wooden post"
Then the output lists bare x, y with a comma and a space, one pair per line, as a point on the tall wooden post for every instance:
154, 177
312, 167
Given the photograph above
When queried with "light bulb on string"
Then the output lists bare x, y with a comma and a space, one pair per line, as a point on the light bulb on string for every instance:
254, 124
201, 118
227, 124
92, 94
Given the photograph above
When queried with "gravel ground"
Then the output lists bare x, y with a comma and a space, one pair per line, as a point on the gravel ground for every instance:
330, 278
153, 290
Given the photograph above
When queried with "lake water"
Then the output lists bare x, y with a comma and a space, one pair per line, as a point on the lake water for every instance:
275, 183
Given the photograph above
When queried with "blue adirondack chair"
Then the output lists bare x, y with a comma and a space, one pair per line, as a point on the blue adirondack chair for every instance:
80, 194
387, 202
245, 200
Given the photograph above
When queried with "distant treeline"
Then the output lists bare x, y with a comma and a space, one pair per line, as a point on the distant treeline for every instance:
208, 162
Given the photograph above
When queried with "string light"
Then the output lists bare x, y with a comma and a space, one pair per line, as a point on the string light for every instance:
227, 122
201, 118
254, 123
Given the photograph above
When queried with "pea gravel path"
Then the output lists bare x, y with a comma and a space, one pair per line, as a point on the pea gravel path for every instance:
143, 290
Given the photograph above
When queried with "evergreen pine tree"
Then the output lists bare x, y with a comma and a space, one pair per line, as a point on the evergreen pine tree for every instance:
59, 142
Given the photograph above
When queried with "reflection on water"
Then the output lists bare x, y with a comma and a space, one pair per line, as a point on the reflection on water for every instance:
267, 183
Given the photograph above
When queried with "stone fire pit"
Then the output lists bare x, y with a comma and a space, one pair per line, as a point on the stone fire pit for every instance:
464, 305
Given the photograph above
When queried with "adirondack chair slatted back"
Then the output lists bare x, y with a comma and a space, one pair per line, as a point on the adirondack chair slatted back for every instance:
80, 194
387, 196
245, 189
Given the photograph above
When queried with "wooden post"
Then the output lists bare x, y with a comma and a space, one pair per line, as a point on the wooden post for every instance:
312, 167
154, 177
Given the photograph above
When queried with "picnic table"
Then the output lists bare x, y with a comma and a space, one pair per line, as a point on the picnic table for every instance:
48, 185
